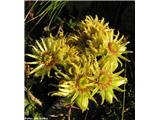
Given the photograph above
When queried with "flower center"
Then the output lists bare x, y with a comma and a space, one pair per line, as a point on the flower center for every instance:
47, 58
103, 85
113, 48
81, 84
105, 80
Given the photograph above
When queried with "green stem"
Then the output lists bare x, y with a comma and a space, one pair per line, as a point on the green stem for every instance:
124, 94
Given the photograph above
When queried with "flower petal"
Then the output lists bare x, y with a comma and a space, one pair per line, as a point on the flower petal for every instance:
82, 101
115, 39
124, 58
119, 89
39, 45
32, 56
37, 68
74, 96
119, 82
31, 63
102, 93
35, 49
44, 45
109, 94
118, 73
95, 91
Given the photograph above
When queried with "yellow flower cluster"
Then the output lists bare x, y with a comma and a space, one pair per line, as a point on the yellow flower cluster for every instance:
89, 58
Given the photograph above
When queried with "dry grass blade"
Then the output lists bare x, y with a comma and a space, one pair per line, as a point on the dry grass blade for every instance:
45, 8
33, 98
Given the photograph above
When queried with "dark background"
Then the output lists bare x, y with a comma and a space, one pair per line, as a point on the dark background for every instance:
121, 16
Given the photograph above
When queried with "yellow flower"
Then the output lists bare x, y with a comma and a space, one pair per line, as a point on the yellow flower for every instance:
96, 36
47, 53
106, 80
91, 26
78, 87
91, 32
116, 46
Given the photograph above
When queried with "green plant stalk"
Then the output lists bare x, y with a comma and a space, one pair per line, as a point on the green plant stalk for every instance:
124, 94
56, 12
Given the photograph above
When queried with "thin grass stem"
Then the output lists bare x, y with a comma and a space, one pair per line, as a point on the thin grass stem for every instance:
30, 10
124, 93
